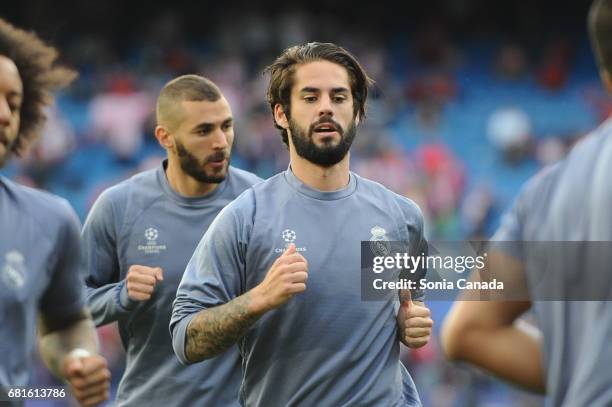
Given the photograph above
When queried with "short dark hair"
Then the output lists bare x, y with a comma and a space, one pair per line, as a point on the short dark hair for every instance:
36, 63
282, 76
184, 88
600, 30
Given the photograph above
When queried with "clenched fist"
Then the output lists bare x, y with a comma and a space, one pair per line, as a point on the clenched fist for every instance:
414, 323
141, 281
88, 376
286, 277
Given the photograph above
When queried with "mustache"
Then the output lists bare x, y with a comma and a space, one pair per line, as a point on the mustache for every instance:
218, 156
3, 138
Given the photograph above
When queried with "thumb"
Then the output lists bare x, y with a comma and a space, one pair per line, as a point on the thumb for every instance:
406, 299
73, 366
406, 304
290, 249
159, 274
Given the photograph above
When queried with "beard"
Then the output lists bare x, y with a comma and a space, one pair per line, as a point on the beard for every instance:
4, 157
195, 168
329, 153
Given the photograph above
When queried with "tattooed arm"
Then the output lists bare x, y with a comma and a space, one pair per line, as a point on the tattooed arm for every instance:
214, 330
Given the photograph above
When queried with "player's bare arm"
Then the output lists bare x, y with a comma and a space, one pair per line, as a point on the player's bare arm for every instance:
485, 333
214, 330
70, 352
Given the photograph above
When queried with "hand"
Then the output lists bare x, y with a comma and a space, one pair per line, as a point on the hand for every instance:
89, 378
414, 323
286, 277
141, 281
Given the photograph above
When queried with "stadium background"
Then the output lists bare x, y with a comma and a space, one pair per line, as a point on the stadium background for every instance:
471, 98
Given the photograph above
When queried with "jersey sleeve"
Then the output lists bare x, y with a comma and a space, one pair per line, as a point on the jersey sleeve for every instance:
508, 237
64, 297
216, 273
414, 223
106, 294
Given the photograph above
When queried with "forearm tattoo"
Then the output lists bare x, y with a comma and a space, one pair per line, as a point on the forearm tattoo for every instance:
213, 331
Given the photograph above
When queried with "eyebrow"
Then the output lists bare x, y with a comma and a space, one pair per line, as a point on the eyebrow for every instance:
208, 126
309, 89
203, 126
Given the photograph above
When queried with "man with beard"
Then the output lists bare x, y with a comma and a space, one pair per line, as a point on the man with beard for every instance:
140, 235
39, 242
279, 272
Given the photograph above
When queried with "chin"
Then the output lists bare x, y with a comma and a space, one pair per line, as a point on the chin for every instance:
328, 144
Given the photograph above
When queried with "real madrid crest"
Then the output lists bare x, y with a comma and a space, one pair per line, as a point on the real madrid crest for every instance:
379, 242
13, 270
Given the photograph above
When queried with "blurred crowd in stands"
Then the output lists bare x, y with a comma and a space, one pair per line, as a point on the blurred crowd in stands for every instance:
456, 124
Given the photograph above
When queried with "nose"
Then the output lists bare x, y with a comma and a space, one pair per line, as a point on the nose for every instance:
220, 141
5, 112
325, 106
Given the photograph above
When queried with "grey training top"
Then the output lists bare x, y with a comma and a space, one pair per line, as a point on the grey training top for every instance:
325, 346
39, 272
143, 221
571, 201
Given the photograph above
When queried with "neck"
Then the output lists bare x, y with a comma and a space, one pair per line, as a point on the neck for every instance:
320, 178
184, 184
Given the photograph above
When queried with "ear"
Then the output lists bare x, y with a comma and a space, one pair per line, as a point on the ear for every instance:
280, 117
164, 138
606, 78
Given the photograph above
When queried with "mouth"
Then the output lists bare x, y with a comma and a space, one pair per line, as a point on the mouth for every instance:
217, 164
218, 161
326, 130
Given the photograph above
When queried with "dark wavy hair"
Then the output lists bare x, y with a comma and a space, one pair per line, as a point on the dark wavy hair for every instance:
36, 62
282, 73
600, 30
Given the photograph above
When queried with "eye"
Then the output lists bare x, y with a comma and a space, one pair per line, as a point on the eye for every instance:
339, 98
227, 126
203, 131
310, 99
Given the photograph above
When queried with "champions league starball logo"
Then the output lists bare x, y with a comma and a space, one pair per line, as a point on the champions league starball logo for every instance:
151, 234
289, 236
152, 246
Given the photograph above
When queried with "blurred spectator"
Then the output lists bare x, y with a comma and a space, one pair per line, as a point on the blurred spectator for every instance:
550, 150
509, 129
443, 181
56, 143
555, 66
119, 115
478, 213
511, 61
